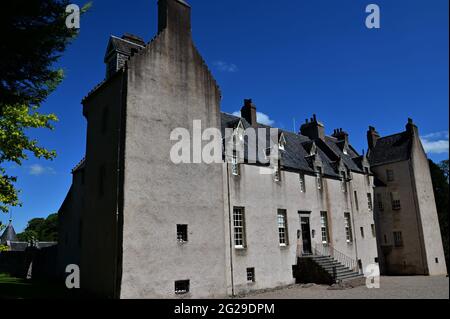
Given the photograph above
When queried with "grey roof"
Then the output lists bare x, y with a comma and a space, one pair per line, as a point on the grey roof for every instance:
390, 149
8, 235
296, 155
123, 46
350, 159
183, 2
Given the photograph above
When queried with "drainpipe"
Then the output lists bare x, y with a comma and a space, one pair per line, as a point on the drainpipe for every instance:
229, 226
353, 222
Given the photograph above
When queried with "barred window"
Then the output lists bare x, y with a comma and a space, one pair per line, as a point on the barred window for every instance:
324, 227
182, 287
380, 202
182, 233
282, 228
369, 201
396, 203
302, 183
251, 275
235, 168
398, 239
239, 227
348, 228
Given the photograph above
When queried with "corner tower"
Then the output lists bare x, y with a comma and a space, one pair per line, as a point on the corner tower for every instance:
169, 87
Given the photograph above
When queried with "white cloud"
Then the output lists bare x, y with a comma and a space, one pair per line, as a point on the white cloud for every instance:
226, 67
260, 117
436, 143
37, 170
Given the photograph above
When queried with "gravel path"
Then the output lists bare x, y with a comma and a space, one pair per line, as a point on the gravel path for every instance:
390, 288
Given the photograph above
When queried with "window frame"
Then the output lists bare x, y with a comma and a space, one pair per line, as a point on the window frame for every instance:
302, 183
324, 227
348, 228
398, 239
182, 233
251, 275
283, 230
390, 175
239, 237
370, 201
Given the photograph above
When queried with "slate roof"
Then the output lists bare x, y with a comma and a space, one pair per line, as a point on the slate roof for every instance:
122, 45
349, 159
390, 149
296, 155
8, 235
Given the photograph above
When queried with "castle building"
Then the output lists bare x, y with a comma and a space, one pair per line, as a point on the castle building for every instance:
409, 236
141, 226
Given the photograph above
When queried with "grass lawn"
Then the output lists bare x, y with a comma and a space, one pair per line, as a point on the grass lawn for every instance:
16, 288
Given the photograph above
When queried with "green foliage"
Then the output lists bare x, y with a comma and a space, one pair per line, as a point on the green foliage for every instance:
34, 35
439, 175
4, 248
41, 229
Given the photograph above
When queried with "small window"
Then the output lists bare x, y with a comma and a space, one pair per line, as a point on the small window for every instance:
277, 174
356, 201
251, 275
324, 227
398, 239
369, 201
437, 260
343, 182
302, 183
235, 168
182, 233
380, 202
282, 227
348, 228
374, 233
376, 260
319, 178
385, 239
396, 203
362, 232
367, 173
239, 227
182, 287
390, 175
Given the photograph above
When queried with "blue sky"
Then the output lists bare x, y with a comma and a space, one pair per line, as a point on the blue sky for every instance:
293, 58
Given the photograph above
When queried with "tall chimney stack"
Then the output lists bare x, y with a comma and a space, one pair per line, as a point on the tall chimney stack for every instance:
372, 137
174, 15
313, 129
248, 112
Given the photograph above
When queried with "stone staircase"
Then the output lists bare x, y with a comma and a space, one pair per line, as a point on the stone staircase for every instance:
335, 269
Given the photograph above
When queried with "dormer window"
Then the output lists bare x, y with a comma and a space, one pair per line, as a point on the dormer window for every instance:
282, 143
238, 134
345, 151
313, 150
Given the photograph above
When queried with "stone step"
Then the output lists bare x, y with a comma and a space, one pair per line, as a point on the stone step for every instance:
352, 275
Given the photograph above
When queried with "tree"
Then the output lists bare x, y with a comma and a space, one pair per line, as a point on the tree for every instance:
439, 176
33, 36
41, 229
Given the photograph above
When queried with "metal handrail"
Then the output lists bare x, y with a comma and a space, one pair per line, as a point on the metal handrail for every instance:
329, 251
